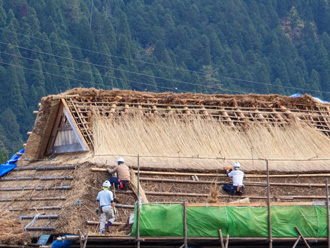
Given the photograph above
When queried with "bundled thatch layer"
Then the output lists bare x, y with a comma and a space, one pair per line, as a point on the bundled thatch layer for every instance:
160, 139
11, 231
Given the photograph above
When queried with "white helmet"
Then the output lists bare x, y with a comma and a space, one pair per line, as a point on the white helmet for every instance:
120, 160
106, 184
236, 165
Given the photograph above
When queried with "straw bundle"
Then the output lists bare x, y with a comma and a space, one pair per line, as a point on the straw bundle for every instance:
134, 186
213, 194
11, 231
196, 137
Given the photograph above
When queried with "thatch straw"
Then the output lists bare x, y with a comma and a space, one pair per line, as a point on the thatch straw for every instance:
213, 194
11, 231
196, 137
134, 186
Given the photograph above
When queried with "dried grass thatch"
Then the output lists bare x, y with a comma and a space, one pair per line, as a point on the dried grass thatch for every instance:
163, 138
213, 195
11, 231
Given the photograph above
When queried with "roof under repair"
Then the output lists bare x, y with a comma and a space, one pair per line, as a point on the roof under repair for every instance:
180, 144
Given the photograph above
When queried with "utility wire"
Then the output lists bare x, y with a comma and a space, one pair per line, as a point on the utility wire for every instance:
168, 67
74, 79
113, 68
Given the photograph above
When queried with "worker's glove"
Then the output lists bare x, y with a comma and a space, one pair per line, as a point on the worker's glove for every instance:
228, 171
97, 211
114, 211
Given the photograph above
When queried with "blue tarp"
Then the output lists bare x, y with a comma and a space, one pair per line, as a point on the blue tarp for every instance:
10, 164
62, 243
316, 98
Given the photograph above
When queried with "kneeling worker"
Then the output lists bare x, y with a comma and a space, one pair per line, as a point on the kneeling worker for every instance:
237, 175
123, 174
106, 206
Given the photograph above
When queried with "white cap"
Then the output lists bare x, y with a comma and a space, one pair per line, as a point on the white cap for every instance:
120, 160
236, 165
106, 184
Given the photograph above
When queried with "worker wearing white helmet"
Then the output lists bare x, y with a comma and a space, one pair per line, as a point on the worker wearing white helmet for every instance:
105, 205
123, 175
237, 175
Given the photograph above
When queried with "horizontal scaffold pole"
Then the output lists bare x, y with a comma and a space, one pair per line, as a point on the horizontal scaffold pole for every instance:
219, 175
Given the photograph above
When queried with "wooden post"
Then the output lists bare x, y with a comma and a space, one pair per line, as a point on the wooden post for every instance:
221, 239
297, 241
302, 237
185, 225
327, 202
138, 204
269, 213
227, 241
85, 242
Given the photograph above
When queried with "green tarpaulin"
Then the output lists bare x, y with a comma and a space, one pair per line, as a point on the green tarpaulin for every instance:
167, 220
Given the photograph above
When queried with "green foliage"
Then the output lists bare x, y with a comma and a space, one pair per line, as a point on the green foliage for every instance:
222, 46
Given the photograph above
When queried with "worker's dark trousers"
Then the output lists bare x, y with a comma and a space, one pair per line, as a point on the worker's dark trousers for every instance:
119, 184
114, 180
232, 190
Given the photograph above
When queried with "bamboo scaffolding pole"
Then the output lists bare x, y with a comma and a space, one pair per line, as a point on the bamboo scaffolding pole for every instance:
165, 180
328, 216
297, 241
40, 228
269, 211
222, 175
251, 204
36, 208
305, 241
35, 178
138, 204
224, 196
33, 199
39, 217
92, 222
41, 168
36, 188
227, 241
185, 224
221, 239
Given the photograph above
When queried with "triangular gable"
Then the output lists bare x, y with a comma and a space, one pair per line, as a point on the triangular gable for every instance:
66, 137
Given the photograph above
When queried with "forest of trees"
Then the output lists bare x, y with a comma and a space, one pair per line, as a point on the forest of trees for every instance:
213, 47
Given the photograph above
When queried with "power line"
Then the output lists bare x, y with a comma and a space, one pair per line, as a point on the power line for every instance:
168, 67
88, 63
74, 79
107, 67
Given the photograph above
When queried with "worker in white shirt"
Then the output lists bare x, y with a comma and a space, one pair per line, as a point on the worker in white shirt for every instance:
106, 207
237, 188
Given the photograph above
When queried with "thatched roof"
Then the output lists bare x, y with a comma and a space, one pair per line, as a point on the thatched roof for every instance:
171, 130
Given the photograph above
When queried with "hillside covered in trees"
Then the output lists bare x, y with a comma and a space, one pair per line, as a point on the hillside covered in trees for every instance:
226, 47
